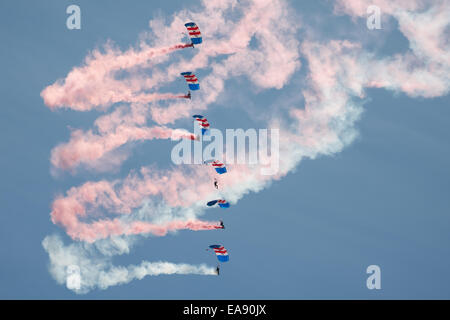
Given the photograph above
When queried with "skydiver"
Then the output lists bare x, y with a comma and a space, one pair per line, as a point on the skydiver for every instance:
218, 269
189, 94
220, 226
216, 183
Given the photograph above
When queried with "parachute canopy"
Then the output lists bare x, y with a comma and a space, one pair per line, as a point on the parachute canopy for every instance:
221, 252
222, 203
203, 123
219, 166
194, 33
192, 80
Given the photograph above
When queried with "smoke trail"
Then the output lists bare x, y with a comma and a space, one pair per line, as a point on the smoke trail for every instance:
146, 98
101, 229
94, 85
180, 193
88, 147
97, 271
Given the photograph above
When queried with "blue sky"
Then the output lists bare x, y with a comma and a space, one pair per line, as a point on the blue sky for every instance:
383, 200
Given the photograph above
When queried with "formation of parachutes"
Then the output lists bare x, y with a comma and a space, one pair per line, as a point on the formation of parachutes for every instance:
193, 85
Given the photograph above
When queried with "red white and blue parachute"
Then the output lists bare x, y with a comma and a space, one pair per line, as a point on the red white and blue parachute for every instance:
191, 80
194, 33
221, 252
219, 166
221, 202
203, 123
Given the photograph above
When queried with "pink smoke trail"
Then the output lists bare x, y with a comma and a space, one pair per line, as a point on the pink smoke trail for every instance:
149, 97
177, 189
87, 147
94, 85
102, 229
83, 201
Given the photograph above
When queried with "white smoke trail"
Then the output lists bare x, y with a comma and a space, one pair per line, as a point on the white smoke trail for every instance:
97, 271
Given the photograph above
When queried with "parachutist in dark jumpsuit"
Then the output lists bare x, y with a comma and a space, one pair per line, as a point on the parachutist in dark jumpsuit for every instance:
218, 270
216, 184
